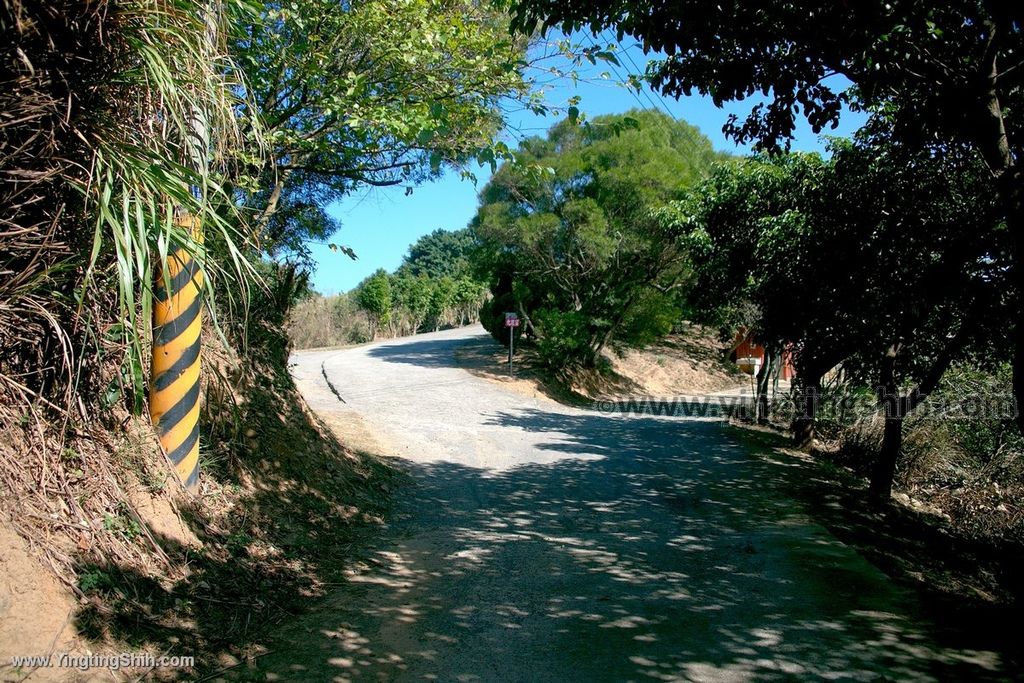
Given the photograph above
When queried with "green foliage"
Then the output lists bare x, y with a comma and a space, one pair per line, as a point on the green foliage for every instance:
432, 289
376, 92
413, 296
579, 249
442, 253
943, 75
743, 228
492, 312
561, 335
842, 258
401, 304
122, 524
980, 406
95, 581
443, 297
138, 97
374, 296
930, 63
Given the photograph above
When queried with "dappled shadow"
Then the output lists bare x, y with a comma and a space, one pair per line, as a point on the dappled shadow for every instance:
655, 548
429, 353
279, 523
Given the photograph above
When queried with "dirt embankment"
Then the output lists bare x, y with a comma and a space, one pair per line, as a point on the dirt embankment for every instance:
689, 363
101, 551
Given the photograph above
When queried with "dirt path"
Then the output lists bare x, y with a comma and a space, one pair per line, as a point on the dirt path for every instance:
544, 543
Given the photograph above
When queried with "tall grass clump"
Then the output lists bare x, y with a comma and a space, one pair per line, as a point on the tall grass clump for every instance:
116, 117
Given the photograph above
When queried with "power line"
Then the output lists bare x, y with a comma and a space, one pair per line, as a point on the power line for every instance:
692, 142
647, 90
615, 71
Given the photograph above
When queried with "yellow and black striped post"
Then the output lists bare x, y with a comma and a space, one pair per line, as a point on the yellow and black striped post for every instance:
174, 374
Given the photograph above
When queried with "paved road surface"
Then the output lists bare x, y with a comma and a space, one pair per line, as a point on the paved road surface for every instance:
545, 543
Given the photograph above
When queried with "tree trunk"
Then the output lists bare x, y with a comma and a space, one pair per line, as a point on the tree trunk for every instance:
894, 407
598, 346
1014, 200
764, 375
884, 470
992, 140
1011, 195
807, 408
527, 323
897, 407
273, 200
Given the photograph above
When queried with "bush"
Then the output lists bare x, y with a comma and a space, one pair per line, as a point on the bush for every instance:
964, 433
982, 411
563, 338
492, 317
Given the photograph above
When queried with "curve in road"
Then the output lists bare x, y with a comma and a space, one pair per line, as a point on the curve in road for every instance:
545, 543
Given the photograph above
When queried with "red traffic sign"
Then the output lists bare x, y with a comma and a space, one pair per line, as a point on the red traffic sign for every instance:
511, 320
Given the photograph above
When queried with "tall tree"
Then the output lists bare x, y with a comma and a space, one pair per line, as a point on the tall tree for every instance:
577, 249
374, 296
883, 258
935, 277
768, 258
440, 253
943, 71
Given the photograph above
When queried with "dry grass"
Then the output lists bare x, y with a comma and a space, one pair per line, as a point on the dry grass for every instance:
91, 97
975, 498
64, 482
323, 321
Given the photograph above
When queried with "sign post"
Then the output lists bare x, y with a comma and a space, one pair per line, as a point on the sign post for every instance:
511, 322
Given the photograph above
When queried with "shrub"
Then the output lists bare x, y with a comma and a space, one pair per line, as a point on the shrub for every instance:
563, 338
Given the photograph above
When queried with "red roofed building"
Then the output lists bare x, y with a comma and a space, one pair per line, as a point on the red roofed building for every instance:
749, 356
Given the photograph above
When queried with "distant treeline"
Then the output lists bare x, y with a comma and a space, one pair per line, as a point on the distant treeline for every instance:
433, 289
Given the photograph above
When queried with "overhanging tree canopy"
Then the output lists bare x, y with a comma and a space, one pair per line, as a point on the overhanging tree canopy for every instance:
368, 93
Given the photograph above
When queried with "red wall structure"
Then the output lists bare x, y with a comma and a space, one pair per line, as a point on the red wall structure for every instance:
745, 348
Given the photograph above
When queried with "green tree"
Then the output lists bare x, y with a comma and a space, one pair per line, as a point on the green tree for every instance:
761, 249
577, 249
470, 295
942, 71
442, 302
374, 92
411, 298
935, 275
881, 258
373, 295
442, 253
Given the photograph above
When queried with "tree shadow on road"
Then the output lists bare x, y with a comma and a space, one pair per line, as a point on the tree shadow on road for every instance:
656, 548
281, 518
428, 353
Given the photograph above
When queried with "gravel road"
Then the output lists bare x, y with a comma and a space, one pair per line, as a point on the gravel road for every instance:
545, 543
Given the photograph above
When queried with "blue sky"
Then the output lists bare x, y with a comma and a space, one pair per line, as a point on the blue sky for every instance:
380, 224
